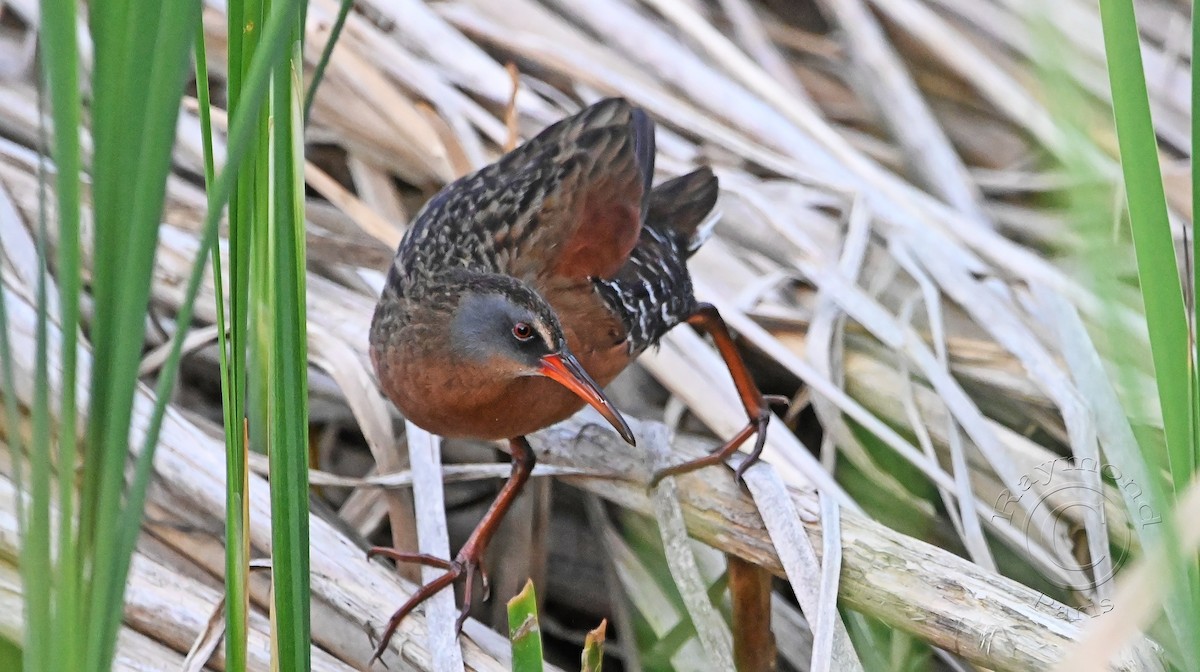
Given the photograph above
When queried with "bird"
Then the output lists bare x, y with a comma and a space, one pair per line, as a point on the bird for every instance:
522, 289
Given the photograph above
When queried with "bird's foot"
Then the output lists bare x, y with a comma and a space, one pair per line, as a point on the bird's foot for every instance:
466, 564
757, 426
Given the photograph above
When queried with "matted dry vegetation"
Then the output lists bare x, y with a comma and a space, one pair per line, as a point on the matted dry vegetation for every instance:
891, 236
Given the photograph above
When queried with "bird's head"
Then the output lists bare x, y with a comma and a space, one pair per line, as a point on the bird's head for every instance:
503, 324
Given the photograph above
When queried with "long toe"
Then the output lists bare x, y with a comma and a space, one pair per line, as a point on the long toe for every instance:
401, 556
718, 456
427, 591
469, 566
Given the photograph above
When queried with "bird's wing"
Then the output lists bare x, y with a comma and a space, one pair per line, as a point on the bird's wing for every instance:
567, 204
584, 183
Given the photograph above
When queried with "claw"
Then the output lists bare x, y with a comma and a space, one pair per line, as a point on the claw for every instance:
760, 441
462, 618
777, 401
487, 585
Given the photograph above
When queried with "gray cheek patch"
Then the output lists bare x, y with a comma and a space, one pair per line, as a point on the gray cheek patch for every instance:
478, 326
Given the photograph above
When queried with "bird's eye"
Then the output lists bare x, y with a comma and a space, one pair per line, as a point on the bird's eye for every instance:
522, 331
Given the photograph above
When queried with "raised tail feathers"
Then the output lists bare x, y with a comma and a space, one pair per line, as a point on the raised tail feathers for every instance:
684, 207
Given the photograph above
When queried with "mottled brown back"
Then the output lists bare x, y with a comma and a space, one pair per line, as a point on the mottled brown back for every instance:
569, 202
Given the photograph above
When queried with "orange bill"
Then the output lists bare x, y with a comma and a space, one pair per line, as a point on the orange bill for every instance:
566, 370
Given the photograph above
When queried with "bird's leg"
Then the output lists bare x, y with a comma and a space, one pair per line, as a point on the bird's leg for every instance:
470, 556
707, 319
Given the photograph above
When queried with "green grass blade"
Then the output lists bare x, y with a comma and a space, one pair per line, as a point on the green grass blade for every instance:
245, 27
246, 259
326, 53
524, 631
61, 64
592, 659
242, 132
1195, 124
109, 110
250, 214
266, 266
11, 657
285, 280
204, 99
35, 545
150, 167
66, 109
166, 48
1162, 294
237, 598
1155, 250
125, 38
133, 140
206, 138
871, 639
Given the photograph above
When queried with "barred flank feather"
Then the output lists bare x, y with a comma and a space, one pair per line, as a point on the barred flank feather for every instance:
653, 290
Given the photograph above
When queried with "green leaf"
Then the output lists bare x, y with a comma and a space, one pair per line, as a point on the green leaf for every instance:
1195, 251
140, 67
524, 631
76, 614
1157, 271
35, 543
1162, 294
326, 53
61, 54
144, 144
593, 649
242, 40
259, 41
283, 291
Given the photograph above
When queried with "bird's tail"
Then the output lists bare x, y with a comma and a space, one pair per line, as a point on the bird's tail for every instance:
684, 207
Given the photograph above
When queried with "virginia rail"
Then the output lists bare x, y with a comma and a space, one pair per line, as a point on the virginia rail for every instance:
521, 289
